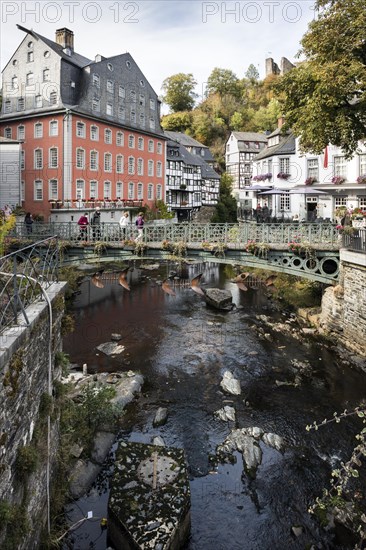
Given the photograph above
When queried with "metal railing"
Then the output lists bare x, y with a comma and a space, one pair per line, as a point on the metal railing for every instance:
355, 241
231, 234
23, 275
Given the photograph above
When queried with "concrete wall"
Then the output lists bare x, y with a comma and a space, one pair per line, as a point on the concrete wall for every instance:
344, 306
24, 378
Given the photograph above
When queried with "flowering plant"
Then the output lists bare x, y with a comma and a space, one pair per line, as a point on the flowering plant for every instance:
258, 249
310, 180
205, 245
262, 177
346, 229
337, 180
283, 175
301, 247
362, 179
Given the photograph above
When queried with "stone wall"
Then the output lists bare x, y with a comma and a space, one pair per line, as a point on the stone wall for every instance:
25, 406
344, 306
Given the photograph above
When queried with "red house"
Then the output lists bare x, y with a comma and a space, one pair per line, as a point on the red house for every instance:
90, 130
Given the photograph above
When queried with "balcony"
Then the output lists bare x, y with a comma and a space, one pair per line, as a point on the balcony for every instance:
83, 204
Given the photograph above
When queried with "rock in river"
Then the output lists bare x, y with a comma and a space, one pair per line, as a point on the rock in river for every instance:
220, 299
230, 384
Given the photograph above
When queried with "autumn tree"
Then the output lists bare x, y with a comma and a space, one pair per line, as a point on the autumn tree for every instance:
179, 92
324, 98
223, 82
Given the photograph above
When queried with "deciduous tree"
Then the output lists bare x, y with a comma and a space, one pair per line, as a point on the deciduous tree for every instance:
179, 92
324, 98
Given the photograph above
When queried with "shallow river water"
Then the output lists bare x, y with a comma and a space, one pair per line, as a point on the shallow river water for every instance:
182, 347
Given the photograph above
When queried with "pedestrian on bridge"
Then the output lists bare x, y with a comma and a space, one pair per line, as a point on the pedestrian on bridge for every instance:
124, 223
28, 221
83, 225
140, 226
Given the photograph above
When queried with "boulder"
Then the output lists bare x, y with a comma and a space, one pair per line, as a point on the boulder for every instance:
219, 299
111, 348
158, 441
160, 417
230, 384
226, 414
103, 441
82, 477
273, 440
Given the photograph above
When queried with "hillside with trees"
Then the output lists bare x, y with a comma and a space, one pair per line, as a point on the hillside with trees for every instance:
230, 104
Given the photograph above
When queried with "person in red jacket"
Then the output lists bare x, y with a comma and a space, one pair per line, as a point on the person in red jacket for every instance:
83, 224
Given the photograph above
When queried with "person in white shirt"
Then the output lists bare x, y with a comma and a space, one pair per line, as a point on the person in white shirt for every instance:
124, 223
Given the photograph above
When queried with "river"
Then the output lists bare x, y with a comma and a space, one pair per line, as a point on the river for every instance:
182, 347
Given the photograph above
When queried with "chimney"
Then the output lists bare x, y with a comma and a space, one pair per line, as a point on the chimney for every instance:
280, 121
65, 38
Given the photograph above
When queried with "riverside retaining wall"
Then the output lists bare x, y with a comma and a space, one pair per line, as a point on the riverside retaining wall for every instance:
24, 411
344, 306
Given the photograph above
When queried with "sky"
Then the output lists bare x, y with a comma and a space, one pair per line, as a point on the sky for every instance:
166, 37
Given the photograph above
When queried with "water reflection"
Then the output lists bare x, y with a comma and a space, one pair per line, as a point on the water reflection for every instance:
182, 348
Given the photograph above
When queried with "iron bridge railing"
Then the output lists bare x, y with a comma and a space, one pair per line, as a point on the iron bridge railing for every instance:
24, 273
231, 234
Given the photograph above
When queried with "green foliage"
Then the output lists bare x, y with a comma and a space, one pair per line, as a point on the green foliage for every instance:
297, 292
14, 521
252, 73
67, 324
177, 122
5, 227
12, 375
178, 92
324, 98
226, 207
62, 361
223, 82
26, 461
158, 212
94, 410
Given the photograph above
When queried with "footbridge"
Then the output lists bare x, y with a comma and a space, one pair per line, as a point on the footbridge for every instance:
303, 249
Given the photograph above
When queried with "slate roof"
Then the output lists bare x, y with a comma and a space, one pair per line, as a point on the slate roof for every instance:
74, 58
250, 136
188, 141
287, 146
206, 170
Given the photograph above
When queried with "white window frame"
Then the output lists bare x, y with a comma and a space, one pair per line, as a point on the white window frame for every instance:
80, 129
159, 169
107, 162
38, 158
159, 148
22, 159
151, 146
38, 190
119, 164
8, 132
107, 189
108, 136
94, 160
121, 92
94, 132
131, 190
120, 139
53, 189
131, 141
38, 130
53, 157
284, 164
46, 75
140, 143
80, 189
93, 184
150, 191
159, 192
131, 165
140, 191
140, 166
312, 168
150, 168
38, 101
119, 190
362, 164
340, 166
109, 108
53, 128
96, 80
80, 158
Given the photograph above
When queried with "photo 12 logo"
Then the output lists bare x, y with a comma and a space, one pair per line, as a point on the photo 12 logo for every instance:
53, 12
252, 12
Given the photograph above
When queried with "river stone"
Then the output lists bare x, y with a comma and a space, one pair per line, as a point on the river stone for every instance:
160, 417
254, 431
158, 441
220, 299
273, 440
230, 384
226, 414
111, 348
102, 443
252, 454
82, 477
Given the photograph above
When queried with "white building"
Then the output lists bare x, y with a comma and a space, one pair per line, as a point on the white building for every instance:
320, 183
241, 149
10, 172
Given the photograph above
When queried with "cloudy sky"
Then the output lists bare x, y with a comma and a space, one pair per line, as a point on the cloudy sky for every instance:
168, 37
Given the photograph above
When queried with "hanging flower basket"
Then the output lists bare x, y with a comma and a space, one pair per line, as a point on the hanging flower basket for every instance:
338, 180
262, 177
283, 175
310, 180
362, 179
